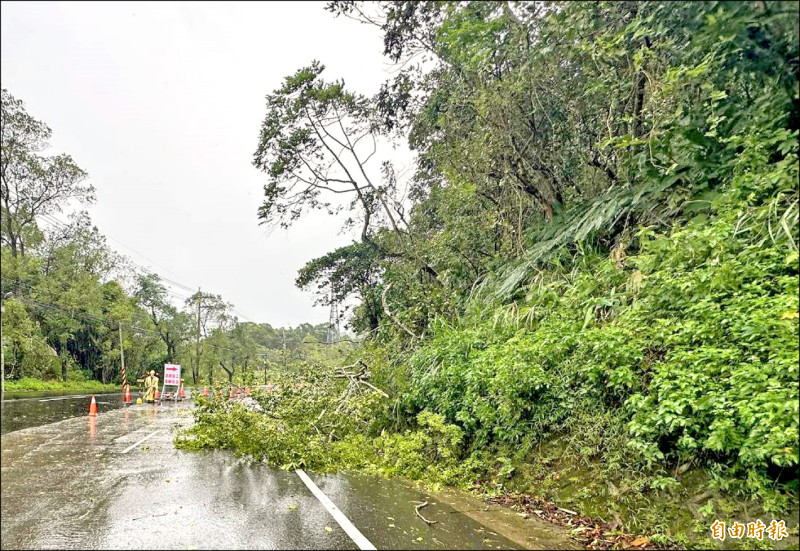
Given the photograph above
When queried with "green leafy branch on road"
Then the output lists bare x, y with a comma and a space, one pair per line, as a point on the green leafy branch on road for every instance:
316, 420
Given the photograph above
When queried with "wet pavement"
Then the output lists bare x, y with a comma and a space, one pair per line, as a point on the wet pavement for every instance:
39, 408
85, 483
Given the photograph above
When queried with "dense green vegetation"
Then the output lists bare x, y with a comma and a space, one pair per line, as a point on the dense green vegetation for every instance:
596, 254
28, 384
68, 299
586, 286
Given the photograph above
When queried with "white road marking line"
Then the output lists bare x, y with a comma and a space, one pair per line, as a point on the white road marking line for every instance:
129, 448
61, 398
357, 537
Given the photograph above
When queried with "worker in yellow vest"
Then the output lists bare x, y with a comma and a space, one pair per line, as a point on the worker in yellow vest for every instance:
151, 386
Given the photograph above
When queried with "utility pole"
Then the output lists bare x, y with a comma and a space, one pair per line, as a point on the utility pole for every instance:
2, 355
3, 350
122, 359
196, 373
283, 332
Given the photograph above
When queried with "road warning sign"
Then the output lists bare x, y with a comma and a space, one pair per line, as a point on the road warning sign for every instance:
172, 375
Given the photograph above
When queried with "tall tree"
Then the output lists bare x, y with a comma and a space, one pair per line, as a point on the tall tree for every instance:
70, 295
173, 326
210, 311
316, 142
32, 183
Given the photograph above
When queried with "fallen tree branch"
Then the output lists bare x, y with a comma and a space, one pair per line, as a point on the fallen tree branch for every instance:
373, 387
420, 506
357, 378
358, 363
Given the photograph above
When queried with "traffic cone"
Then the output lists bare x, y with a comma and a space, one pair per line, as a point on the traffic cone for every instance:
93, 408
158, 394
182, 394
205, 392
127, 394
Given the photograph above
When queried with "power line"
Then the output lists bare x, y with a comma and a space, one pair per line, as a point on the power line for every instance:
74, 312
87, 316
242, 315
79, 313
99, 319
175, 283
64, 225
167, 289
54, 221
57, 223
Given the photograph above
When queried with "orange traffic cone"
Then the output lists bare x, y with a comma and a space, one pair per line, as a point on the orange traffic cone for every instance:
182, 394
205, 392
93, 408
126, 395
158, 394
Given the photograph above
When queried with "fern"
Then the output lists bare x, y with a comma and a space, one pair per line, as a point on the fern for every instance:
591, 219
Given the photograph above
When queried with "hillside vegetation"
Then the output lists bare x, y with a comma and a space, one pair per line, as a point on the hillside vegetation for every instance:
591, 274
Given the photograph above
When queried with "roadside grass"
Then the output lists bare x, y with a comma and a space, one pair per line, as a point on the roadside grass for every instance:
29, 384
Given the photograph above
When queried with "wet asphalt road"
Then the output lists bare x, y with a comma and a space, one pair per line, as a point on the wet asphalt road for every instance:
41, 408
70, 484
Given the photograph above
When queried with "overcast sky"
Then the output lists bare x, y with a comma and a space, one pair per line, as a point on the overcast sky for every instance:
161, 104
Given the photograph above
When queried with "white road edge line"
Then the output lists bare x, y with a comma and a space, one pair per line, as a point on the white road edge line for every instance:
357, 537
61, 398
129, 448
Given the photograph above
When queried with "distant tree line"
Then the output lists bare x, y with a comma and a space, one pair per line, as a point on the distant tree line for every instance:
70, 303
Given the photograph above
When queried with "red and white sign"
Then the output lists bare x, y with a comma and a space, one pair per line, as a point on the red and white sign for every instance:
172, 375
